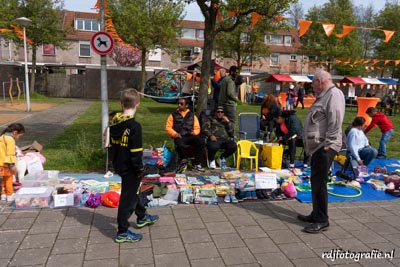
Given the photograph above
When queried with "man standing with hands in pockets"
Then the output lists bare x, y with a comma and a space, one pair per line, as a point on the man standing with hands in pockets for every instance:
322, 138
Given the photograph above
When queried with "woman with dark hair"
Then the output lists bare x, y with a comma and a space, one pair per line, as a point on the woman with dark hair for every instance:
8, 158
289, 131
358, 147
269, 106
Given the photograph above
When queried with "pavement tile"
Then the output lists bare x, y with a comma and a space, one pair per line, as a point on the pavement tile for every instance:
368, 237
233, 210
51, 215
351, 244
336, 232
250, 205
159, 211
261, 245
314, 262
165, 219
201, 250
138, 256
214, 217
242, 220
338, 214
381, 228
102, 263
24, 214
297, 251
377, 211
204, 209
237, 256
185, 213
350, 224
195, 236
171, 245
159, 231
362, 218
34, 256
220, 228
11, 236
376, 262
39, 241
386, 247
273, 259
394, 238
262, 214
100, 222
316, 241
171, 259
144, 243
232, 240
78, 231
392, 220
99, 251
17, 224
251, 231
65, 260
7, 250
210, 262
69, 246
271, 224
283, 236
45, 227
78, 220
101, 237
189, 224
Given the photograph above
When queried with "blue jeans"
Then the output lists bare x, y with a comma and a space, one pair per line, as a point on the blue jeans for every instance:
367, 154
382, 143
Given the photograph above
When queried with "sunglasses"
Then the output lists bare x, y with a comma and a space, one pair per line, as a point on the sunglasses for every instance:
219, 112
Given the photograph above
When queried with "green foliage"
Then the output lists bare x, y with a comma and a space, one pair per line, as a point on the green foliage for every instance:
78, 149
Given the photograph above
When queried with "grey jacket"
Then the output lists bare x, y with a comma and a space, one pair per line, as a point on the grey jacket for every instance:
323, 125
227, 95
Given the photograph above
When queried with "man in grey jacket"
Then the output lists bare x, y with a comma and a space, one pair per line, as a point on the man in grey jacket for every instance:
227, 94
322, 138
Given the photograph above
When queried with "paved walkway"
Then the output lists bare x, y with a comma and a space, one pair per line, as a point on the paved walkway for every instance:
253, 233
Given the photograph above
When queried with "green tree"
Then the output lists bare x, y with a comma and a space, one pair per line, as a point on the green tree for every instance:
147, 24
240, 10
388, 18
46, 26
328, 49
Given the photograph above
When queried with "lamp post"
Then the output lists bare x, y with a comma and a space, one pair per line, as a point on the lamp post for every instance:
25, 22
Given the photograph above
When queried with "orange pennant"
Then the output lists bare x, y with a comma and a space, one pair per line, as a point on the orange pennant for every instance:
346, 31
388, 35
397, 62
328, 28
255, 18
387, 61
304, 26
219, 16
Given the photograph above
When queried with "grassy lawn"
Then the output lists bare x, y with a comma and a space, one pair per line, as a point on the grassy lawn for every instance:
78, 149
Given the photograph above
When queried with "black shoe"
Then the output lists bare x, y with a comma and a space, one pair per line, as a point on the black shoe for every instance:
381, 157
259, 194
305, 218
316, 228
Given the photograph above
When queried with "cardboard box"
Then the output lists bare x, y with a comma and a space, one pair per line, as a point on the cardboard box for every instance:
34, 147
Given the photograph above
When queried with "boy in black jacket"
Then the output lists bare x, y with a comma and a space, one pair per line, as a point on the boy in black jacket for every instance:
126, 154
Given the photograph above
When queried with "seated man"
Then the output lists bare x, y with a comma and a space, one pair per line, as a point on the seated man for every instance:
289, 131
358, 147
218, 130
183, 126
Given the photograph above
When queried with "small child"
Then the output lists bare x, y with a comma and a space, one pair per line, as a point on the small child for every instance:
106, 136
386, 127
126, 151
8, 158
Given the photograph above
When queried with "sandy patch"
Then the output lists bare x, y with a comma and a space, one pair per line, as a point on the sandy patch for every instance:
6, 117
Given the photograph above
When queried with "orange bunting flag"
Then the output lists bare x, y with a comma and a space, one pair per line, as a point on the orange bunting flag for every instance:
304, 26
388, 35
366, 61
219, 16
346, 31
387, 61
338, 61
5, 30
375, 61
255, 18
328, 28
397, 62
278, 19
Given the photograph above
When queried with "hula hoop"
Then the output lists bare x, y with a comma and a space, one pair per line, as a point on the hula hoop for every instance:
346, 196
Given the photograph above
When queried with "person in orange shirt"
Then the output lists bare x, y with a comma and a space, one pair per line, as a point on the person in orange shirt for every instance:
183, 126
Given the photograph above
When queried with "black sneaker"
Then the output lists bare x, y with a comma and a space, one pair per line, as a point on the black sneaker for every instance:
182, 166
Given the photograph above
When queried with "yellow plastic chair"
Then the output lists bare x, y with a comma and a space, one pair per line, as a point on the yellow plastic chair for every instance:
244, 149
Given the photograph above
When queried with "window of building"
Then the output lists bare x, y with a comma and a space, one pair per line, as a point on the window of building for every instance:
244, 37
188, 33
200, 34
293, 57
278, 39
186, 55
49, 49
84, 49
274, 59
87, 25
312, 58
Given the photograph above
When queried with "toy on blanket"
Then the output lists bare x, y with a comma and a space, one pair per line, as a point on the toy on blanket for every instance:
289, 190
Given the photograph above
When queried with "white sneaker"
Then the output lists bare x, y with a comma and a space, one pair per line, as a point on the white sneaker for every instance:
3, 197
198, 168
291, 165
212, 165
108, 174
11, 198
227, 198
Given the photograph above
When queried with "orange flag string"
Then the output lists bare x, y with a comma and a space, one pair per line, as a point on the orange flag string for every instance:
346, 31
388, 35
328, 28
255, 18
304, 26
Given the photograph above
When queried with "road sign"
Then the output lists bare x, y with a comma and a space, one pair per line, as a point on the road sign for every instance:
102, 43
